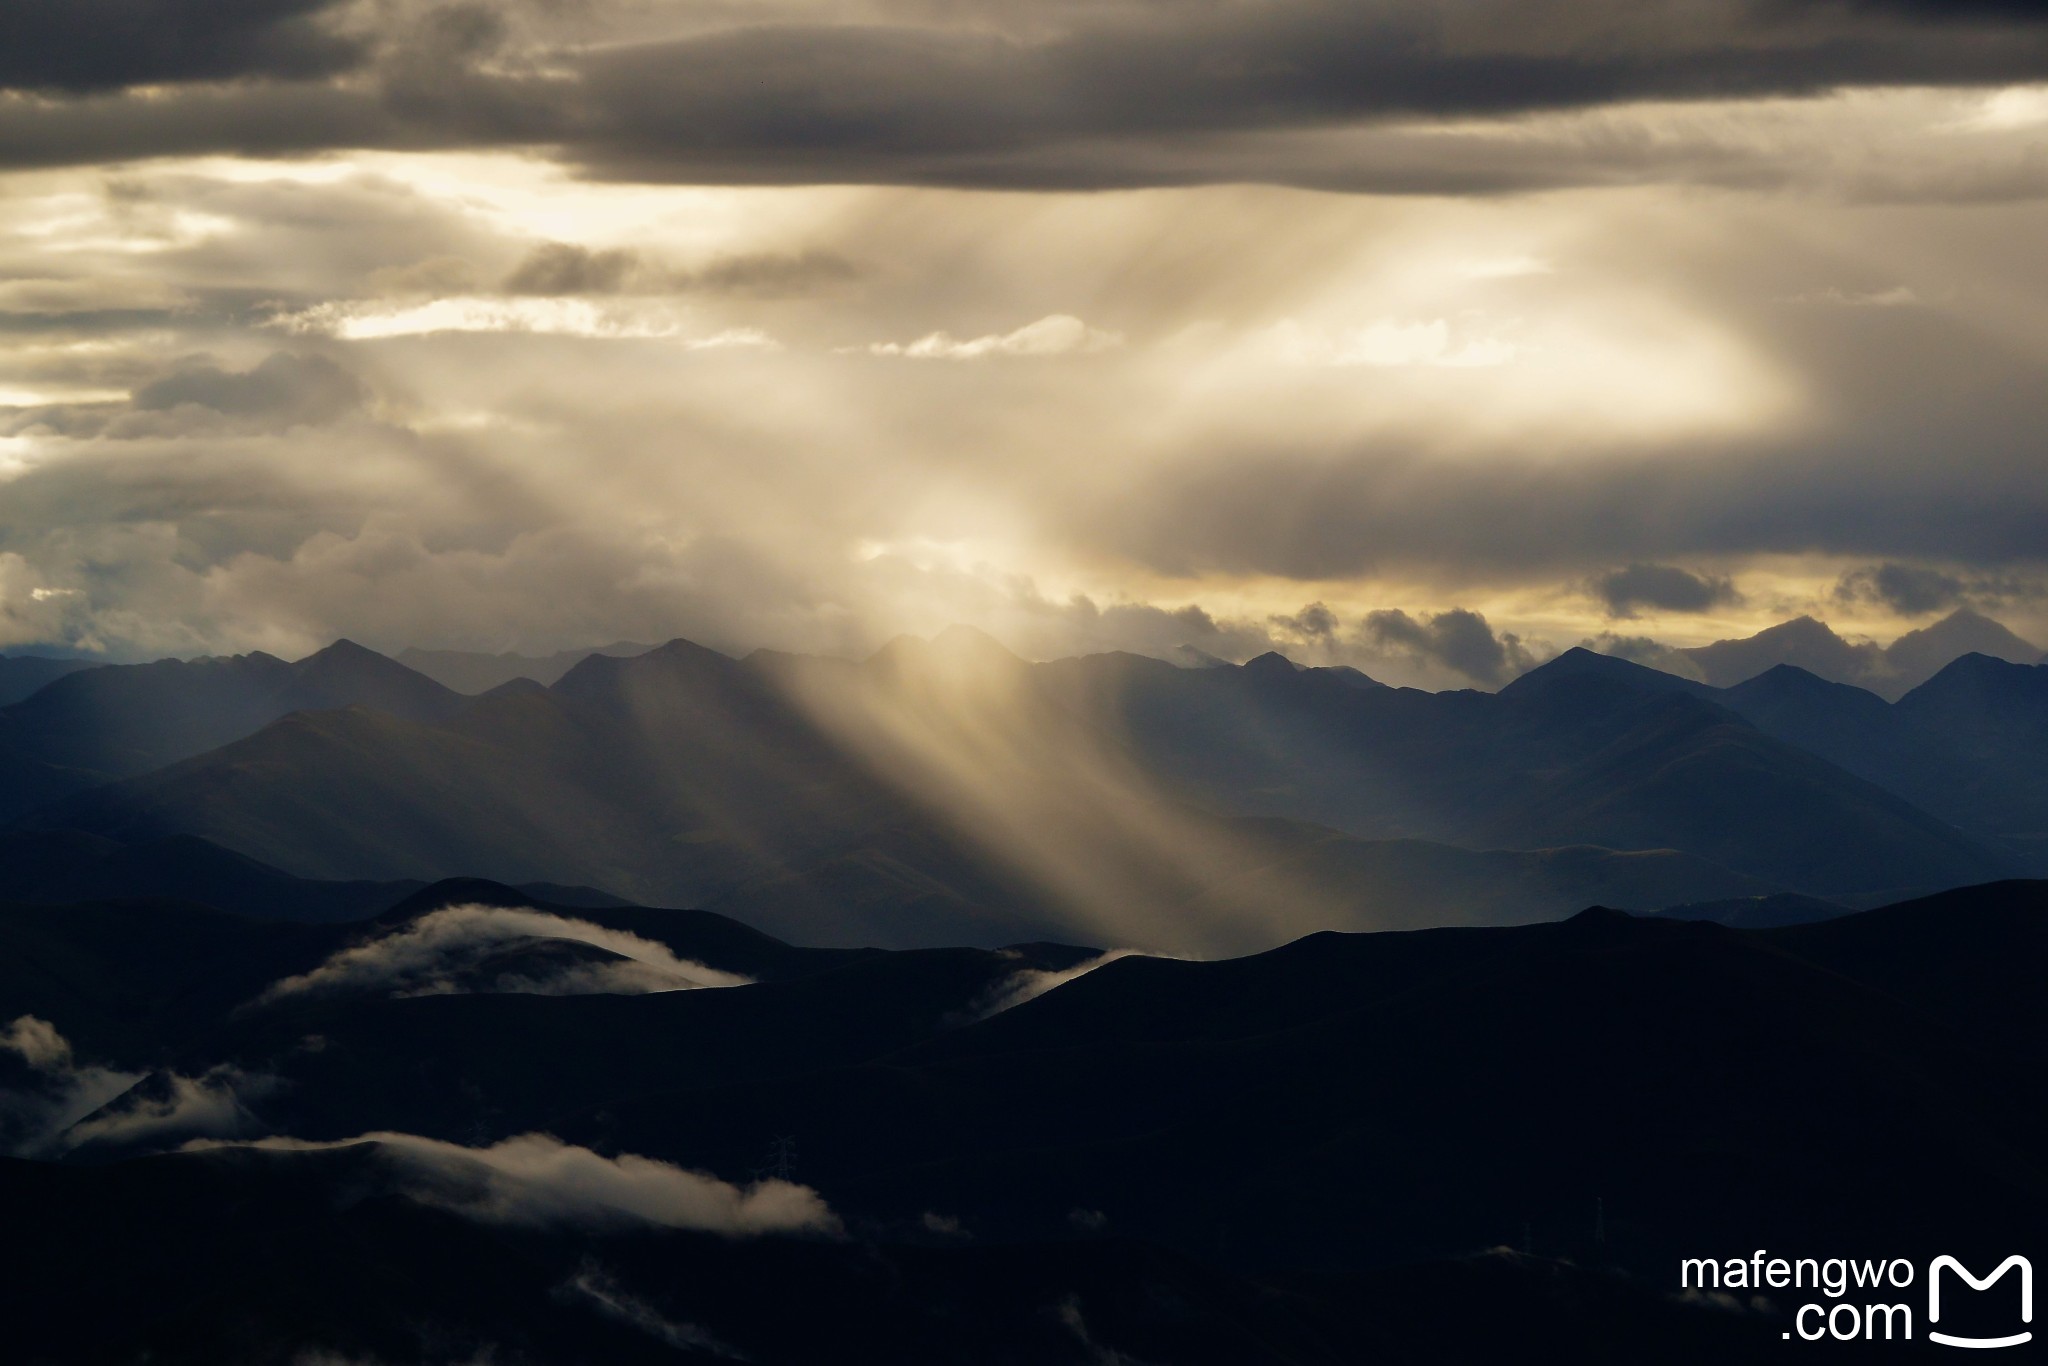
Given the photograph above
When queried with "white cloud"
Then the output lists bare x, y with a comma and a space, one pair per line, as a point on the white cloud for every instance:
430, 956
1386, 343
1897, 296
538, 1180
1098, 1354
566, 317
37, 1043
2009, 110
70, 1105
1506, 268
735, 339
33, 1120
603, 1293
170, 1105
1061, 334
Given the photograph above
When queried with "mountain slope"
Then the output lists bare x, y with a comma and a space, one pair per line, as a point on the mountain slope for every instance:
1313, 1155
21, 675
1802, 642
1687, 1075
472, 672
1919, 655
1890, 671
1970, 747
120, 720
314, 1256
949, 792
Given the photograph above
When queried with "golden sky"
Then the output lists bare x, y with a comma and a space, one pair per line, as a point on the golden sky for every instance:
1110, 326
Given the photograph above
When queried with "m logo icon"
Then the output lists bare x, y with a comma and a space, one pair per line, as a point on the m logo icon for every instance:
2026, 1299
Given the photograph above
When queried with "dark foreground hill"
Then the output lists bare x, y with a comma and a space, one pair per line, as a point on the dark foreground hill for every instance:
145, 981
296, 1257
1317, 1153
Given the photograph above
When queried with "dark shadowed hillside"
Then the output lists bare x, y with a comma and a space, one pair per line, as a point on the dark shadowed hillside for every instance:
119, 720
472, 672
21, 675
1320, 1153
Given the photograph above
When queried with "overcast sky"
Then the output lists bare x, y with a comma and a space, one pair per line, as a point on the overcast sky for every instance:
533, 324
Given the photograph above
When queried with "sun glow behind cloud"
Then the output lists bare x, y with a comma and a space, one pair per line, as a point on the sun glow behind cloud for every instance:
541, 317
1088, 366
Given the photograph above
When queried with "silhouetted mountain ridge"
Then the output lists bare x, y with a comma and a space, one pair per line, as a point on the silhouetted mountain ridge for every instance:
1891, 671
884, 801
122, 720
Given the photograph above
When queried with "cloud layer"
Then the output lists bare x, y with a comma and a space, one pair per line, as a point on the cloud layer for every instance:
1668, 340
536, 1179
473, 948
62, 1104
50, 1092
1308, 91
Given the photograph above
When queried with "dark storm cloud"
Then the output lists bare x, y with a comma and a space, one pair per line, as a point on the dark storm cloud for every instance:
1145, 94
769, 274
1910, 590
267, 120
1860, 491
1918, 590
283, 388
77, 45
853, 103
1459, 640
1958, 11
556, 268
1664, 587
1313, 622
199, 398
566, 268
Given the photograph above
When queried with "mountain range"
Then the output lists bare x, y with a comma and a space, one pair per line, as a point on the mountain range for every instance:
949, 1008
1891, 671
468, 671
948, 792
21, 675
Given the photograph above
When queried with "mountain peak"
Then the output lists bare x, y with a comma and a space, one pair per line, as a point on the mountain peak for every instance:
346, 674
1271, 662
601, 673
1352, 678
345, 659
1919, 655
1977, 693
1801, 627
1787, 676
1811, 644
342, 650
955, 648
1581, 663
964, 640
